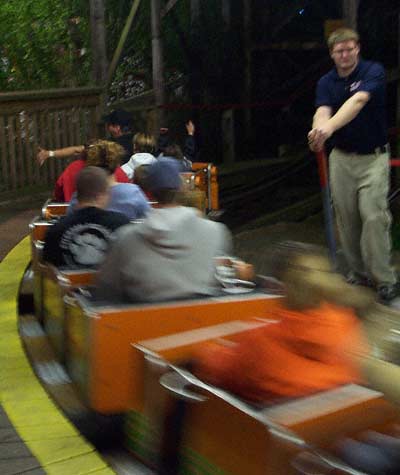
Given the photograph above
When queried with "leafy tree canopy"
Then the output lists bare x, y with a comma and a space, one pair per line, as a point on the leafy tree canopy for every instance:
44, 43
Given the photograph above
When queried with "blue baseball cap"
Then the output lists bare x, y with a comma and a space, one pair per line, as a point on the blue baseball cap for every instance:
164, 175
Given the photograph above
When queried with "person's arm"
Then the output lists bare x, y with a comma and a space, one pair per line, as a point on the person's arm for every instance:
321, 116
347, 112
189, 149
44, 154
320, 119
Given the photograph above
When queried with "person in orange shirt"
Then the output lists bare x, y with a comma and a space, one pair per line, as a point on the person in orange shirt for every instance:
306, 350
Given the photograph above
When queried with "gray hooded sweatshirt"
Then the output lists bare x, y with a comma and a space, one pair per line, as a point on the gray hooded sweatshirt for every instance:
169, 255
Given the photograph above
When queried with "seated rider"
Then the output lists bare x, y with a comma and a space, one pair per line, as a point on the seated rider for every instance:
66, 183
174, 153
305, 348
170, 255
81, 239
190, 150
125, 198
143, 150
118, 123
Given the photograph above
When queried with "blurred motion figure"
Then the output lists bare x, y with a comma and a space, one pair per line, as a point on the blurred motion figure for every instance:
305, 348
169, 255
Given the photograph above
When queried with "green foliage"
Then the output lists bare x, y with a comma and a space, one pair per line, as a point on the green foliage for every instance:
44, 43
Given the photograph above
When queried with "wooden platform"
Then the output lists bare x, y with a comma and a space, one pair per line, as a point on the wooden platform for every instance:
39, 439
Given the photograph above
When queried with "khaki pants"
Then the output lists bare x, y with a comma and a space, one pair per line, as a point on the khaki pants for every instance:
360, 185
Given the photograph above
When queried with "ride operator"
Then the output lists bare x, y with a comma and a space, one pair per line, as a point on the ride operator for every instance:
350, 107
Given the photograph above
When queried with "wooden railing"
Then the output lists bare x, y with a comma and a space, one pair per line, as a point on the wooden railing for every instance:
53, 119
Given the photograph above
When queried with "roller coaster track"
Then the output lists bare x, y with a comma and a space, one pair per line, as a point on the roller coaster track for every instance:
273, 191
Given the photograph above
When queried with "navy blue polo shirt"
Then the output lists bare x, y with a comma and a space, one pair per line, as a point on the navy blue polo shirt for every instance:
369, 129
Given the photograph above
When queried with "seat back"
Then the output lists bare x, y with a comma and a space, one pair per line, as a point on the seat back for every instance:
51, 210
143, 427
206, 180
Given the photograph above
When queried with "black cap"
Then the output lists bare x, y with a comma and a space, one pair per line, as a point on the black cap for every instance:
118, 117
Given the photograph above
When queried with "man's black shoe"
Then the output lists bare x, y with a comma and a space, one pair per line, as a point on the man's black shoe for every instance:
388, 292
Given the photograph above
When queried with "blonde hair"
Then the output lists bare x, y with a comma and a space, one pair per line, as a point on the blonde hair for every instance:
144, 143
104, 154
342, 34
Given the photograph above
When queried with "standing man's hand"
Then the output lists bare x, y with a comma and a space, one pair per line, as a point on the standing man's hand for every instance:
318, 136
42, 155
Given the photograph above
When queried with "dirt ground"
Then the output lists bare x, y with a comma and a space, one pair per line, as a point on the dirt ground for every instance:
13, 229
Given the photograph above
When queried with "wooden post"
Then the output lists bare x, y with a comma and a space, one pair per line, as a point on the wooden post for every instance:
98, 41
228, 93
196, 85
226, 14
398, 82
247, 47
194, 12
350, 8
228, 136
397, 151
195, 50
158, 64
122, 41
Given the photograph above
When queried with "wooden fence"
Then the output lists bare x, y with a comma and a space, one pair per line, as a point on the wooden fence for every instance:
52, 119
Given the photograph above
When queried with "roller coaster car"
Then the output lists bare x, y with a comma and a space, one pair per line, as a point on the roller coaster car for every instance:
200, 185
98, 340
143, 424
52, 210
219, 433
47, 306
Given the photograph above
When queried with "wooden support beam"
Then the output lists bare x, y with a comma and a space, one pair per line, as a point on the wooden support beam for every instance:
226, 11
289, 46
169, 6
398, 89
349, 8
122, 41
158, 61
194, 12
247, 76
98, 41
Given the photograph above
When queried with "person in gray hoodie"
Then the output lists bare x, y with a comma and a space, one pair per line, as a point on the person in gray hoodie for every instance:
170, 255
